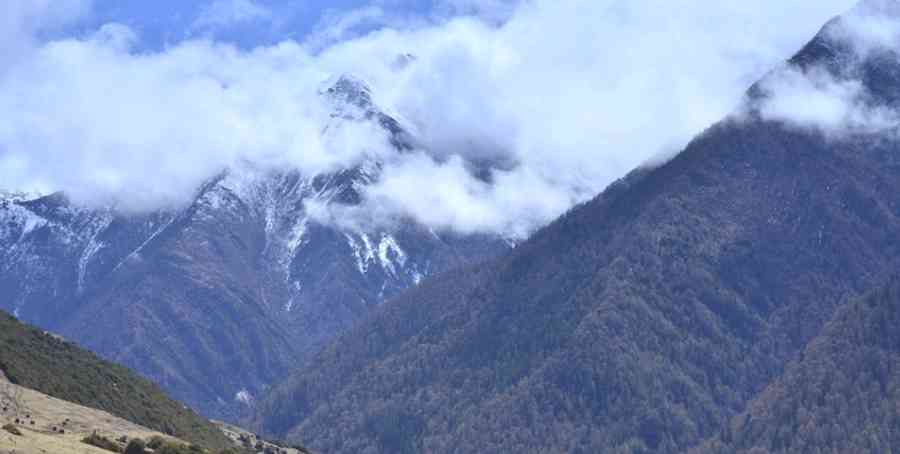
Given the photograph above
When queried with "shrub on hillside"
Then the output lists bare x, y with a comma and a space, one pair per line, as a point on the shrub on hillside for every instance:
230, 451
12, 429
167, 447
101, 442
156, 442
136, 446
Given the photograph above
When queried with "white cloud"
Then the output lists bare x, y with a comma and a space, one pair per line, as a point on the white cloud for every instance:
566, 95
491, 10
21, 21
444, 196
816, 99
147, 129
337, 26
838, 103
871, 26
226, 13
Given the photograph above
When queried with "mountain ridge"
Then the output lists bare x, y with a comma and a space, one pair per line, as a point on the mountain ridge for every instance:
165, 292
638, 322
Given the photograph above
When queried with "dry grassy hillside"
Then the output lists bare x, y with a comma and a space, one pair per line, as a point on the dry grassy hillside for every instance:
44, 362
53, 426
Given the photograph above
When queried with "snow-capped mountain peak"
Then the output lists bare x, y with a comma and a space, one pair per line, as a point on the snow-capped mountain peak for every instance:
348, 89
246, 252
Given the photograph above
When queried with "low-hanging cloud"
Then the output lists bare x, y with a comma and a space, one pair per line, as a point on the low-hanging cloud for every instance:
556, 100
835, 100
816, 99
871, 26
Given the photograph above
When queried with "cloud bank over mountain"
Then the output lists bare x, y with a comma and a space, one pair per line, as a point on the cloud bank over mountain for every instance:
836, 99
522, 109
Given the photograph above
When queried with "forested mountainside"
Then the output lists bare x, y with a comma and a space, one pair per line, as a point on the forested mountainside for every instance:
48, 364
641, 321
841, 395
218, 300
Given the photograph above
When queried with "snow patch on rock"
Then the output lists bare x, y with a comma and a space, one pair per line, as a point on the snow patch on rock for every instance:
244, 397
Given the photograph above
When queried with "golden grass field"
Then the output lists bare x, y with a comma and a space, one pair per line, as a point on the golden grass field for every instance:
47, 413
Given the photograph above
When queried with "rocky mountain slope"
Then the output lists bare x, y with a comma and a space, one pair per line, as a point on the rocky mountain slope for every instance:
219, 299
641, 321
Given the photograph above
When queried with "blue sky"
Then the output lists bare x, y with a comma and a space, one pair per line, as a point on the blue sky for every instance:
161, 23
